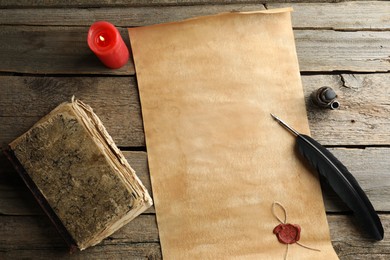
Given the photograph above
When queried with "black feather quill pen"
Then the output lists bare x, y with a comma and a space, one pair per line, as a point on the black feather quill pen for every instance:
340, 179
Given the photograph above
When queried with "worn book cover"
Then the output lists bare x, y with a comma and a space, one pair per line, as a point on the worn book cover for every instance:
78, 175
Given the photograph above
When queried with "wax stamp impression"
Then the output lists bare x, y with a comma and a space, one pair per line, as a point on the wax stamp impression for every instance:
287, 233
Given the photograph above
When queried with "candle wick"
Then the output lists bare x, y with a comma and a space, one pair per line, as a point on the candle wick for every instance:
102, 38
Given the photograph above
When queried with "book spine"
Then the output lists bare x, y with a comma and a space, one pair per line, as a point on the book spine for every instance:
9, 153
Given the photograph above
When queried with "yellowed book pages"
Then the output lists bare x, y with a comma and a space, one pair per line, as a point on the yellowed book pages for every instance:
217, 159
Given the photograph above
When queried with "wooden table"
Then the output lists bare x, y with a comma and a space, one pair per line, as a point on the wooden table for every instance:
44, 60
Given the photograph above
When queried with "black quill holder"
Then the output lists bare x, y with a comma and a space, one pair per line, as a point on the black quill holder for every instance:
340, 179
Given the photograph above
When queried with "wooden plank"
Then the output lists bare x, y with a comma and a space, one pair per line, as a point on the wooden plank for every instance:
24, 100
363, 117
43, 50
136, 240
138, 251
42, 233
369, 166
122, 17
351, 243
140, 238
63, 50
361, 120
127, 3
369, 15
346, 15
325, 50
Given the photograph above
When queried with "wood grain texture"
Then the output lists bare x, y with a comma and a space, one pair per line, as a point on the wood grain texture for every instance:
127, 3
52, 50
139, 239
335, 50
63, 50
368, 15
351, 243
49, 37
136, 251
24, 100
121, 17
363, 116
346, 15
361, 120
369, 166
43, 235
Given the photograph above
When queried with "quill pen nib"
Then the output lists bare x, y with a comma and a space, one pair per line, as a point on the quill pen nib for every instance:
292, 130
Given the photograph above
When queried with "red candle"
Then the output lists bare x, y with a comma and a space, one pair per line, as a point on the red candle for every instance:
106, 42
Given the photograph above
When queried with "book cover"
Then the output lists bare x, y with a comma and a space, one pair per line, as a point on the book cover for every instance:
78, 175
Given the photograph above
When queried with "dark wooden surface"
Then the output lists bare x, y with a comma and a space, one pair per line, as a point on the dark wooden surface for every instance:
45, 60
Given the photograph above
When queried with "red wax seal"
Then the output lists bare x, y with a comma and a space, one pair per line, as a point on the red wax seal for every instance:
287, 233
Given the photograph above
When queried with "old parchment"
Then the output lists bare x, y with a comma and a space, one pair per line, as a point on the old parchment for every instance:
217, 159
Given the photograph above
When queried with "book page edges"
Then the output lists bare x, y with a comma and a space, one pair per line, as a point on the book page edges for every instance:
112, 153
101, 136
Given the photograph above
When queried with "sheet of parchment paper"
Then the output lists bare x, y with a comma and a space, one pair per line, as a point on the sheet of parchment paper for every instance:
217, 159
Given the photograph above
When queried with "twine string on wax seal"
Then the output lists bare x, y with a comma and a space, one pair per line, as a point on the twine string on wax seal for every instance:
285, 232
284, 211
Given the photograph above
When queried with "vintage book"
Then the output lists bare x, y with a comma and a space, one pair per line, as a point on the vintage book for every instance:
78, 175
